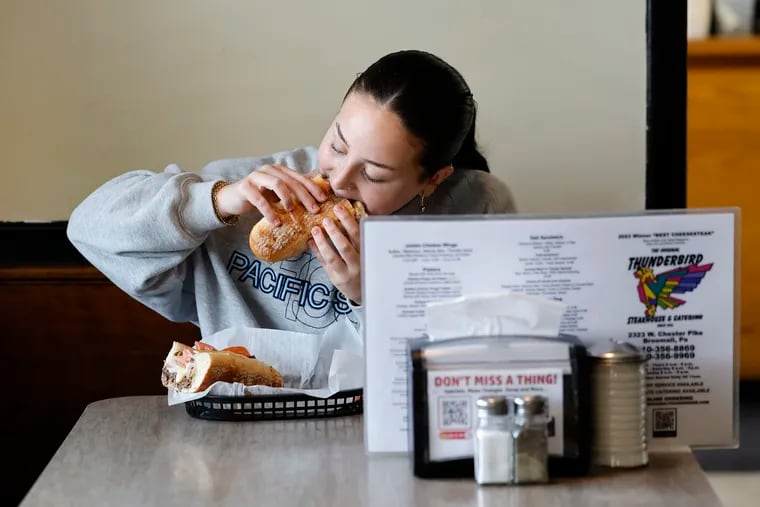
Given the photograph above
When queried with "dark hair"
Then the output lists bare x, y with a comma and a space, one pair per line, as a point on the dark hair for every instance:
434, 103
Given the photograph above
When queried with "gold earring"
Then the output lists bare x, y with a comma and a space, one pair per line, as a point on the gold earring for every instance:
422, 204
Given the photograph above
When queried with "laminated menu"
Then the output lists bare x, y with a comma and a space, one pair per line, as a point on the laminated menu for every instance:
665, 282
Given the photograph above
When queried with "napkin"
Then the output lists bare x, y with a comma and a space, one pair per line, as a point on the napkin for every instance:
491, 314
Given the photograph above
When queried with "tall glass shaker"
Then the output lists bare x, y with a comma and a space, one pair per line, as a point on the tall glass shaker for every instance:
618, 389
493, 441
531, 439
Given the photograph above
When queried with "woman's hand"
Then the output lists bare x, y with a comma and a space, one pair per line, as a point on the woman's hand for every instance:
340, 259
265, 186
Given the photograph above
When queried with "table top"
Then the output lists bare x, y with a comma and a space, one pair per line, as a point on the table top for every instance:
139, 451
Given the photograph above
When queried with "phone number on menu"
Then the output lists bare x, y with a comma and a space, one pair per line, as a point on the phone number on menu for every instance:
669, 352
668, 348
676, 355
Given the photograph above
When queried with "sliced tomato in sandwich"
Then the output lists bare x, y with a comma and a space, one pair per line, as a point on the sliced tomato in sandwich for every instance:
239, 349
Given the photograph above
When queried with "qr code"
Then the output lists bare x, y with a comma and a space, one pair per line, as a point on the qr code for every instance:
455, 413
664, 422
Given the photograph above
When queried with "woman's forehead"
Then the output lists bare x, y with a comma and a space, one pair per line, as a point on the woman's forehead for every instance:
369, 126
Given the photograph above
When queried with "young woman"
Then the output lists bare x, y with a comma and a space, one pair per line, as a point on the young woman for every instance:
403, 142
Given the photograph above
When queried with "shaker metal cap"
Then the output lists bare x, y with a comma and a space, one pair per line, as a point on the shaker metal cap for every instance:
531, 405
493, 405
616, 351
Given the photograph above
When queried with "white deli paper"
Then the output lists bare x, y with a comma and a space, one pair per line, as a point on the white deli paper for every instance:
492, 314
318, 365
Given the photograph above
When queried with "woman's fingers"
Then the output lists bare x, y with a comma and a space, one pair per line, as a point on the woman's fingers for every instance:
326, 254
289, 184
350, 225
280, 183
267, 185
343, 245
340, 259
272, 183
307, 181
251, 192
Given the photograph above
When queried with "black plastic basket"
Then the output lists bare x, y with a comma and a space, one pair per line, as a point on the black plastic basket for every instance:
274, 407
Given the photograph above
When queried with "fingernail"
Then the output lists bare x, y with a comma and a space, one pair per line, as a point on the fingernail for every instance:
315, 231
327, 222
314, 208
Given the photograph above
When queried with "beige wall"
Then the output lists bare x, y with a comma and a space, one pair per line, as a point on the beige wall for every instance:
92, 88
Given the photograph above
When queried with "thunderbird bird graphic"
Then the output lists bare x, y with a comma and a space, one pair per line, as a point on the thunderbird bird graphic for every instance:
656, 290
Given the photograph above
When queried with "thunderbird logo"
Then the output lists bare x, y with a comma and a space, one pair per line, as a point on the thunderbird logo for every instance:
655, 290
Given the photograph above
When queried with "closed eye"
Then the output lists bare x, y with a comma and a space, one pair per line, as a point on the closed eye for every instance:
368, 177
336, 149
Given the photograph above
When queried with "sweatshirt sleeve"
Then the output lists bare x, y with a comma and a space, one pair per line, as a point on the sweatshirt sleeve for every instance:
140, 227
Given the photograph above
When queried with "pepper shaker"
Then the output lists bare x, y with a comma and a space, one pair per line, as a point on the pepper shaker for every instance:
618, 380
531, 439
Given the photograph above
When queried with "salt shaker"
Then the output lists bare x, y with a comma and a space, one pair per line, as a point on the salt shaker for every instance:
493, 441
618, 378
531, 439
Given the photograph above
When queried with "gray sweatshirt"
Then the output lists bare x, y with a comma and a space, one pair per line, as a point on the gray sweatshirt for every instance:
156, 236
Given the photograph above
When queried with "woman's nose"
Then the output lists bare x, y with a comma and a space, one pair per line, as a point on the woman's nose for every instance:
340, 178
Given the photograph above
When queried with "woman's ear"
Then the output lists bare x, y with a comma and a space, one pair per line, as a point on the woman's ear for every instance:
436, 179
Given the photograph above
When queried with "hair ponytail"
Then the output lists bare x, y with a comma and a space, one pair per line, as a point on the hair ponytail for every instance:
469, 156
